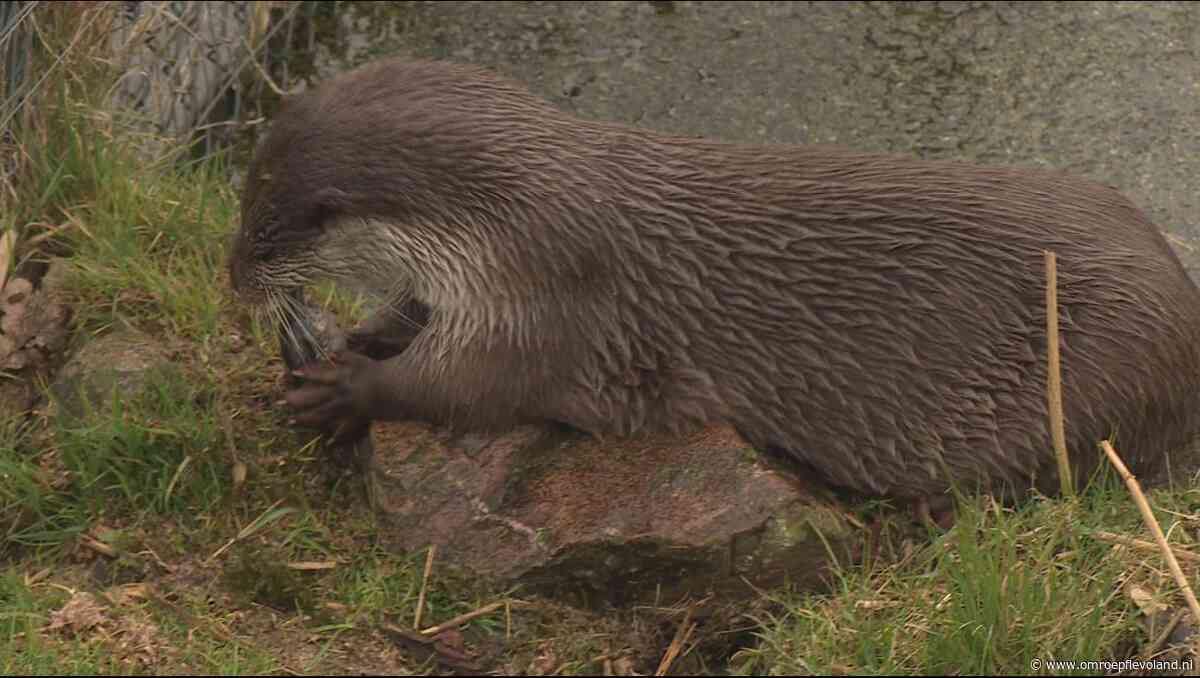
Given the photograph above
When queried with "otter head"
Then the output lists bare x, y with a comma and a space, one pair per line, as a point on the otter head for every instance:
387, 177
276, 249
296, 215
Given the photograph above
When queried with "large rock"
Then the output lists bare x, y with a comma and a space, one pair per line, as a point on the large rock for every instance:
564, 513
121, 362
598, 521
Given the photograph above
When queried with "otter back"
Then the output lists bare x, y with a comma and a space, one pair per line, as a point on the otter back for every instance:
878, 320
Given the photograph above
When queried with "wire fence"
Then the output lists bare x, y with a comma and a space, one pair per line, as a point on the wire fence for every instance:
189, 71
184, 74
16, 44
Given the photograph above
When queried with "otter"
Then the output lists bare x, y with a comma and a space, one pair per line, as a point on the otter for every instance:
876, 320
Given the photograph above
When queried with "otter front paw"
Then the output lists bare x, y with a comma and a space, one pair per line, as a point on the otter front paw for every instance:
332, 396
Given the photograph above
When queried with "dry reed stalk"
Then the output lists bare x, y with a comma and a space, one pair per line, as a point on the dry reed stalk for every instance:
1054, 379
1143, 505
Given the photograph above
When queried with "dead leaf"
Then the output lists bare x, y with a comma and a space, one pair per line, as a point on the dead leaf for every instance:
120, 595
81, 613
421, 647
1144, 599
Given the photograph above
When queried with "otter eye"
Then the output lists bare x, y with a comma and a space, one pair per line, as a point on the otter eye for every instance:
265, 234
320, 219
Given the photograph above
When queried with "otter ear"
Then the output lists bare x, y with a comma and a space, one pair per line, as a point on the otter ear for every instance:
326, 203
332, 198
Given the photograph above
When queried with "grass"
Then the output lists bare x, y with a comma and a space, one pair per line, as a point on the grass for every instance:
25, 651
1003, 589
151, 453
136, 506
142, 233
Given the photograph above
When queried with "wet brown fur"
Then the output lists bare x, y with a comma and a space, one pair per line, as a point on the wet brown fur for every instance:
877, 319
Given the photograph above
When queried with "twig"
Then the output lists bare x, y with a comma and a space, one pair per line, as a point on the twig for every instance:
98, 546
1148, 517
312, 565
424, 586
682, 634
34, 578
7, 242
1054, 378
1143, 545
464, 618
157, 559
262, 72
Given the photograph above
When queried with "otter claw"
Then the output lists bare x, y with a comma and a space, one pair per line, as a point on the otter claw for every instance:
325, 399
324, 418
